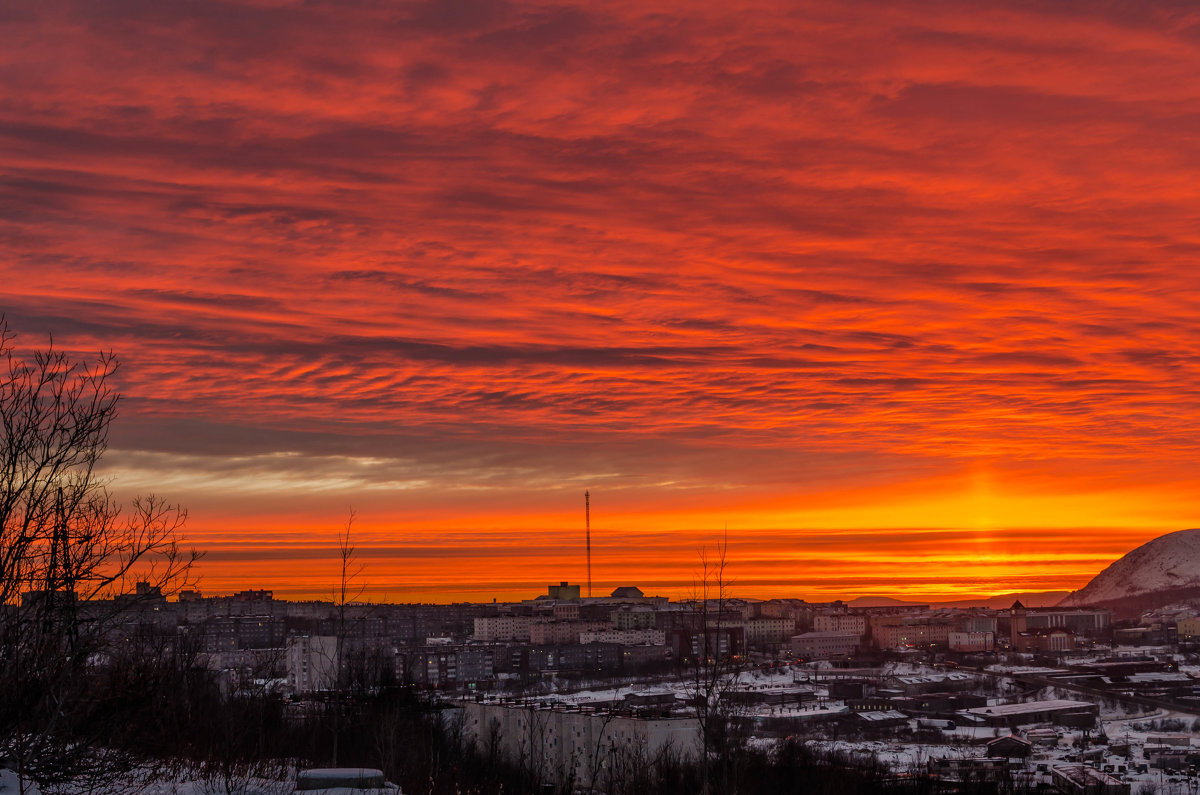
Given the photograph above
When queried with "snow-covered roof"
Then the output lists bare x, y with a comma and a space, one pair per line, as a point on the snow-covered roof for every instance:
883, 715
1030, 706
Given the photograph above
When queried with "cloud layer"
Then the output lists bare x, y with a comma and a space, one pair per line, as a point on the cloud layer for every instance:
784, 265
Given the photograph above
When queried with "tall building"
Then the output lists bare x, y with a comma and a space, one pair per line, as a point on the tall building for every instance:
1018, 623
311, 662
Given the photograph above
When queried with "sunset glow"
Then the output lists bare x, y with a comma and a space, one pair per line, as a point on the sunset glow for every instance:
903, 295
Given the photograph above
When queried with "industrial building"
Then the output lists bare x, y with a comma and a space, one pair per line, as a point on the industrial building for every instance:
1073, 713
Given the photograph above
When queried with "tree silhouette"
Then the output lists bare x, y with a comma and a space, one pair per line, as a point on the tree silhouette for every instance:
69, 556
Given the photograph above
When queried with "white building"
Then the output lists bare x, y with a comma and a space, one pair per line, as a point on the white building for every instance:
311, 662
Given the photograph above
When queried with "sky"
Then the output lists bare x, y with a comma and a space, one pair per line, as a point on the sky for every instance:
899, 298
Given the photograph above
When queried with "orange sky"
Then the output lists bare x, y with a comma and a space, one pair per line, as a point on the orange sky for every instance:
905, 294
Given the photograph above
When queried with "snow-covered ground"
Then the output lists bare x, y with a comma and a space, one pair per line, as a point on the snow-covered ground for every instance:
9, 783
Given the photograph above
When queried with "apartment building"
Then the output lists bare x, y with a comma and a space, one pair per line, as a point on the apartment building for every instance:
840, 622
625, 637
764, 631
311, 662
503, 627
547, 631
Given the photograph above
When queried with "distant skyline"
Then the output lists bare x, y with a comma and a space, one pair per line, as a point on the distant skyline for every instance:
904, 294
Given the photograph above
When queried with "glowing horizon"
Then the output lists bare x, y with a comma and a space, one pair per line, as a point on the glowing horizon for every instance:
893, 289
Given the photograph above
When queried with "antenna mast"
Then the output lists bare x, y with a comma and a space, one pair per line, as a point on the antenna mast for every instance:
587, 518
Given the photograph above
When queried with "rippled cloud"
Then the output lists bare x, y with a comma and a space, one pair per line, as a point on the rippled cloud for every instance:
761, 263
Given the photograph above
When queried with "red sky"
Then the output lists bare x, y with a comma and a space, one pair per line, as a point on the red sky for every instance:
905, 294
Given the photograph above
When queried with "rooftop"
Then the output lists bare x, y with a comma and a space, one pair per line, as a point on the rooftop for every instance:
1030, 707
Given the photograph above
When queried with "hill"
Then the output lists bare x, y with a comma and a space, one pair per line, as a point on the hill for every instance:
1029, 599
1158, 572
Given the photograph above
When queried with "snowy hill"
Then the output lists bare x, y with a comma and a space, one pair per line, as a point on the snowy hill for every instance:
1168, 563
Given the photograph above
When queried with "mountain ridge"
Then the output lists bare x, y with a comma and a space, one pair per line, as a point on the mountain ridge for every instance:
1028, 598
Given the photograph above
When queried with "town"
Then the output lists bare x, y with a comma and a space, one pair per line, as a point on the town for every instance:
1054, 698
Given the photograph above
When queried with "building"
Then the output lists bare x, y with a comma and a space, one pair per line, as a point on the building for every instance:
311, 662
1188, 629
1166, 757
935, 704
633, 657
715, 640
575, 657
566, 611
887, 719
927, 684
1010, 747
254, 596
446, 666
627, 592
1030, 632
543, 631
978, 623
1043, 738
503, 627
1175, 740
244, 632
850, 688
1153, 635
769, 631
625, 637
897, 632
1085, 779
1054, 711
563, 591
971, 641
1080, 622
1016, 623
971, 769
1044, 641
840, 622
817, 645
633, 618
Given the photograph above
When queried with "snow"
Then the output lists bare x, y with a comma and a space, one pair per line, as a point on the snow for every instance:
1169, 561
10, 783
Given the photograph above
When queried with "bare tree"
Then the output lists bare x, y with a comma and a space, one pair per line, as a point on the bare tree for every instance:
69, 553
714, 667
349, 589
599, 758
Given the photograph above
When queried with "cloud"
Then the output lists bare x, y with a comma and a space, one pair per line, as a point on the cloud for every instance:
749, 252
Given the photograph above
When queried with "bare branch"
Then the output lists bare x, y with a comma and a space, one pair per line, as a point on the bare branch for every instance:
69, 555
